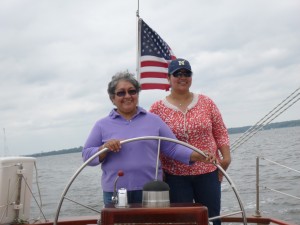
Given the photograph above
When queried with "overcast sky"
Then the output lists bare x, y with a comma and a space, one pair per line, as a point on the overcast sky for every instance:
57, 56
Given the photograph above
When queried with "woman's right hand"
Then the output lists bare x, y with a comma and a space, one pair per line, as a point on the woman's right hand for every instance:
113, 145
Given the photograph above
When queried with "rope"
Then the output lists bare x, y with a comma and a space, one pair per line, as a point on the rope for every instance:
286, 167
37, 184
280, 192
24, 178
289, 168
40, 203
268, 118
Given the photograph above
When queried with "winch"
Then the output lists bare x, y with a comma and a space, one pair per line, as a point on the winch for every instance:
156, 194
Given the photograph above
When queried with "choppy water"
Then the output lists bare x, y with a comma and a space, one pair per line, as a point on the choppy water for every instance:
279, 145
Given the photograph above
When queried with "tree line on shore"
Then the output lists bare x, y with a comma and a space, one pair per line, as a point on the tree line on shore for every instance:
236, 130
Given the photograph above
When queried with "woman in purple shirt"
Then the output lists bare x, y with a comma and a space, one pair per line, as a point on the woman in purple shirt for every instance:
136, 159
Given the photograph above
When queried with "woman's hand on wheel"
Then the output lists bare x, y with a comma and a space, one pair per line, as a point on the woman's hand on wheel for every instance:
113, 145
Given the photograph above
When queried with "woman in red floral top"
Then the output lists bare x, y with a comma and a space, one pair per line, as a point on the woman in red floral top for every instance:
195, 119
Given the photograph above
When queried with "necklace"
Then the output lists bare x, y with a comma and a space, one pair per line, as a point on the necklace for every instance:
181, 102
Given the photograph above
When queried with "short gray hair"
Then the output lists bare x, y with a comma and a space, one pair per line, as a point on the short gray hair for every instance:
124, 76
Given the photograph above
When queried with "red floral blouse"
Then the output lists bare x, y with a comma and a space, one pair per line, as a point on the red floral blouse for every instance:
201, 126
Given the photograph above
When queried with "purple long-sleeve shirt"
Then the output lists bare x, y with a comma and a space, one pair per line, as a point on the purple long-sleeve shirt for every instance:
136, 159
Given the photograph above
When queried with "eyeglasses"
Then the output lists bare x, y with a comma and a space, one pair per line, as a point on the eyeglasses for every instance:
182, 74
123, 93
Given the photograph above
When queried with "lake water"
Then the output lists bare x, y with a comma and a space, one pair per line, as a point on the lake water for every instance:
279, 145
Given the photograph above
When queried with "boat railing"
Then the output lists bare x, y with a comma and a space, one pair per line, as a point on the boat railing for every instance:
258, 185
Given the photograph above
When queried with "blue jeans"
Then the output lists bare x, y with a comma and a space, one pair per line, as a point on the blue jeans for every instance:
204, 189
132, 197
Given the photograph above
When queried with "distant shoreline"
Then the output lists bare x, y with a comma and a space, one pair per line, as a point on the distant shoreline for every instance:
236, 130
291, 123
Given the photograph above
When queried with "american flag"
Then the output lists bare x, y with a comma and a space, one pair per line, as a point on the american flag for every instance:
153, 59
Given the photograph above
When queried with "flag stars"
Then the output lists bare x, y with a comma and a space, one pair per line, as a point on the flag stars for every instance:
153, 44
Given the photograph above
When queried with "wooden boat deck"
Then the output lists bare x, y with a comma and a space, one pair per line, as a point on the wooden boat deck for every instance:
231, 220
179, 215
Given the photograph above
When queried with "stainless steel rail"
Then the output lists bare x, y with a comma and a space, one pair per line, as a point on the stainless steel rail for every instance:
258, 186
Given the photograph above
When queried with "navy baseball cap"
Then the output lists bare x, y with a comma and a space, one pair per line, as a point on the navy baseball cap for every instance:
178, 64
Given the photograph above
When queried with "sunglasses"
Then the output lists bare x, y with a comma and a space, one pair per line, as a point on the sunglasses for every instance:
123, 93
182, 74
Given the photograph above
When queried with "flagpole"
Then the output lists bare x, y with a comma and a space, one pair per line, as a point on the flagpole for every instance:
138, 10
153, 57
138, 41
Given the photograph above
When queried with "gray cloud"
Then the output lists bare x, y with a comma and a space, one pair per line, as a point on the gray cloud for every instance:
56, 58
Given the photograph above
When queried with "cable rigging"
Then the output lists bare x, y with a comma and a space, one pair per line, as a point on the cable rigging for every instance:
268, 118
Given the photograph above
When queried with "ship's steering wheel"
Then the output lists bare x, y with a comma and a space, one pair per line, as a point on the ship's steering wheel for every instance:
242, 210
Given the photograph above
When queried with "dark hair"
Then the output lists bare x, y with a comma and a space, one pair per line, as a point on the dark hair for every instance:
125, 76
